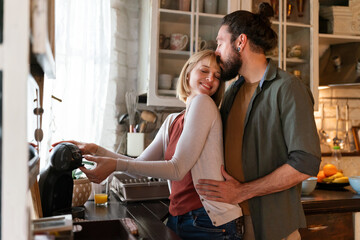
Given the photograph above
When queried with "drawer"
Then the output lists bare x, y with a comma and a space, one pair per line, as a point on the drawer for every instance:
328, 226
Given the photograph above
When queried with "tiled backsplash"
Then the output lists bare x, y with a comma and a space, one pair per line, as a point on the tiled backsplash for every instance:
329, 98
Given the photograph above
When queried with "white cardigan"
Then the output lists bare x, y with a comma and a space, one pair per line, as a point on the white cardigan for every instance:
199, 149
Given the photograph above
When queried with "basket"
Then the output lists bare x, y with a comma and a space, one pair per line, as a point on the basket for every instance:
81, 192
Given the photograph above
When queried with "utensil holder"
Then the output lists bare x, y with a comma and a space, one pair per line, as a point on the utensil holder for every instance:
135, 144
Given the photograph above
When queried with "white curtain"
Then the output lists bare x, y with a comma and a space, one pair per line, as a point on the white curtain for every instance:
83, 42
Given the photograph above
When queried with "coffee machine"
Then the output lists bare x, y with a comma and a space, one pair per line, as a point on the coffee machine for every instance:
56, 182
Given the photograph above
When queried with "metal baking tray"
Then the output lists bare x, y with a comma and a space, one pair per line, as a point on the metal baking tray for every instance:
139, 189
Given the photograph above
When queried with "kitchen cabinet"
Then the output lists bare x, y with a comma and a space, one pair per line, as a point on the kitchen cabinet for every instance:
331, 214
296, 26
199, 24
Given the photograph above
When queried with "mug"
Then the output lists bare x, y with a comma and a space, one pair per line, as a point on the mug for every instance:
210, 6
165, 81
202, 44
184, 5
164, 42
178, 41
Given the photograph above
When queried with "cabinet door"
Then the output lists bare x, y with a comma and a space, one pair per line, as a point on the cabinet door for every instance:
328, 226
178, 30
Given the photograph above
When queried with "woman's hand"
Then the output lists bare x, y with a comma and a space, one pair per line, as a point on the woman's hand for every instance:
85, 148
105, 166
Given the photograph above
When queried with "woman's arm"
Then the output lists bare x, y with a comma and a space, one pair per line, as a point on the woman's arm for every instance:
198, 122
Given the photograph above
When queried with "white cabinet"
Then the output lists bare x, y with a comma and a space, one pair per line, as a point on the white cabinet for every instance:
166, 20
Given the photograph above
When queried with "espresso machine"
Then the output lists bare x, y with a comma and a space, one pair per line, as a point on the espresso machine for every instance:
56, 182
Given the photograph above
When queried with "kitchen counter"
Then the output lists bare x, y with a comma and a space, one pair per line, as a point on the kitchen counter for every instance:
149, 215
331, 215
329, 201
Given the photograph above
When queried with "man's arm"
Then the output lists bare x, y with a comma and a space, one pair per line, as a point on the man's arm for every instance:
232, 191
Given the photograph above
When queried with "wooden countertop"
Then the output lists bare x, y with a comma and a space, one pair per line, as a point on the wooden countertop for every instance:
149, 215
330, 201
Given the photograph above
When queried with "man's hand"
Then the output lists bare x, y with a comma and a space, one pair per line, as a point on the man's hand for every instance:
222, 191
231, 191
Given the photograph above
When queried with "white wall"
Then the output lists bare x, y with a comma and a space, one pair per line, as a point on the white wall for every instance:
14, 179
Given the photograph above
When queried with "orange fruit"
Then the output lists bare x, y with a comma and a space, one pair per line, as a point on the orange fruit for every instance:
329, 169
321, 176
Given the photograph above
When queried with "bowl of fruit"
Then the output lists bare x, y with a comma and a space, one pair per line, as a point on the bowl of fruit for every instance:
330, 178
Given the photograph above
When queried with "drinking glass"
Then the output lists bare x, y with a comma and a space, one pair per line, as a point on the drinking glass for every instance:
101, 193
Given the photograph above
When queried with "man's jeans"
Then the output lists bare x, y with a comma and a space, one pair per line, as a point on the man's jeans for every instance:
196, 224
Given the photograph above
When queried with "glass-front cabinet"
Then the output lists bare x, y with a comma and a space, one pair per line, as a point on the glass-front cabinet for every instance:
178, 30
294, 22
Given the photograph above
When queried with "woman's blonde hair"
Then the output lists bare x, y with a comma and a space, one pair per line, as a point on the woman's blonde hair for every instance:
183, 88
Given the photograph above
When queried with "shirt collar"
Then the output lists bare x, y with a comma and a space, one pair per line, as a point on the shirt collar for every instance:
270, 72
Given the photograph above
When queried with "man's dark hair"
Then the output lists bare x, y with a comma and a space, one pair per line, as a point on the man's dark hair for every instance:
256, 26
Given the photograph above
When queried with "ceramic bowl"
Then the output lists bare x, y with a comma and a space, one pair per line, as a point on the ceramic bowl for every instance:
308, 185
355, 183
81, 192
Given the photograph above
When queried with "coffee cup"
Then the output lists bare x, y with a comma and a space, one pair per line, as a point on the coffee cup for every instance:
178, 41
165, 81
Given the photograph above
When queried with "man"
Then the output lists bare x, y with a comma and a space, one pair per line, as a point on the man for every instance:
270, 136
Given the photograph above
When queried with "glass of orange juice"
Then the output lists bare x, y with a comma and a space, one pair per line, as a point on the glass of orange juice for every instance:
101, 193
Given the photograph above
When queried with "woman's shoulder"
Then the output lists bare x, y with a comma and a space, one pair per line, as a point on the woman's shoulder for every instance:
203, 100
203, 104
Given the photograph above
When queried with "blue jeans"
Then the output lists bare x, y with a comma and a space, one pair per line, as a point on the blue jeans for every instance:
196, 224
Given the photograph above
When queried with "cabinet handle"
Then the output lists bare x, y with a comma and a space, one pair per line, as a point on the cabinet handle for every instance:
317, 227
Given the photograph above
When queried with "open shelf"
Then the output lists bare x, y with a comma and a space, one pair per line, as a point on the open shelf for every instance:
329, 39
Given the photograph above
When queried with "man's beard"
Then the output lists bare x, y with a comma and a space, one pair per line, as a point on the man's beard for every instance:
231, 66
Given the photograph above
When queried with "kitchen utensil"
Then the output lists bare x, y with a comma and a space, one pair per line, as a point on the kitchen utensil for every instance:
147, 116
336, 140
324, 137
131, 100
123, 118
347, 140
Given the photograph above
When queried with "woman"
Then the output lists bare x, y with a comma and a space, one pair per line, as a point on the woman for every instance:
191, 142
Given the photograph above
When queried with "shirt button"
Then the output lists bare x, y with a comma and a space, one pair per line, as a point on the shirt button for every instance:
208, 211
202, 199
214, 222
